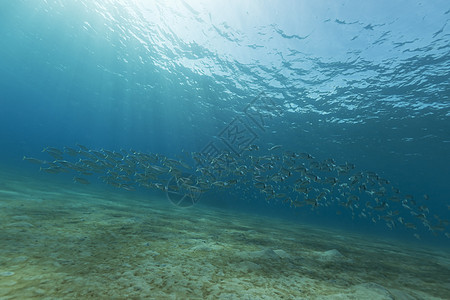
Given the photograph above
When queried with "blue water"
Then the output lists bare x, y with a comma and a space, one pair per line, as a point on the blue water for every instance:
359, 82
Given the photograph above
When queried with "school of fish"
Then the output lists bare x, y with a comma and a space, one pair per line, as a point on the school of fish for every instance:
273, 174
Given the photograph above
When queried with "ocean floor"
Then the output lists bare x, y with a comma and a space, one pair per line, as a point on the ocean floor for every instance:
77, 242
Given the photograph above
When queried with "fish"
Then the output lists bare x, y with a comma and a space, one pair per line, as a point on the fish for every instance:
410, 225
311, 201
260, 185
274, 177
81, 180
124, 186
301, 189
54, 152
297, 203
274, 147
83, 147
70, 151
52, 170
34, 160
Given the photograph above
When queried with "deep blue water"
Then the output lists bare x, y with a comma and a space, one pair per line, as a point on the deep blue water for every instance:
359, 82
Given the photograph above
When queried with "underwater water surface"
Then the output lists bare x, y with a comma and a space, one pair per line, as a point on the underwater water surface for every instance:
225, 149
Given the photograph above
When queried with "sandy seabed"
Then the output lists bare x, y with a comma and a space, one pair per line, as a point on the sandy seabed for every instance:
80, 243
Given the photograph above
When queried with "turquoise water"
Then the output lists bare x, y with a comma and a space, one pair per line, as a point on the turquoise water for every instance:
357, 93
360, 83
